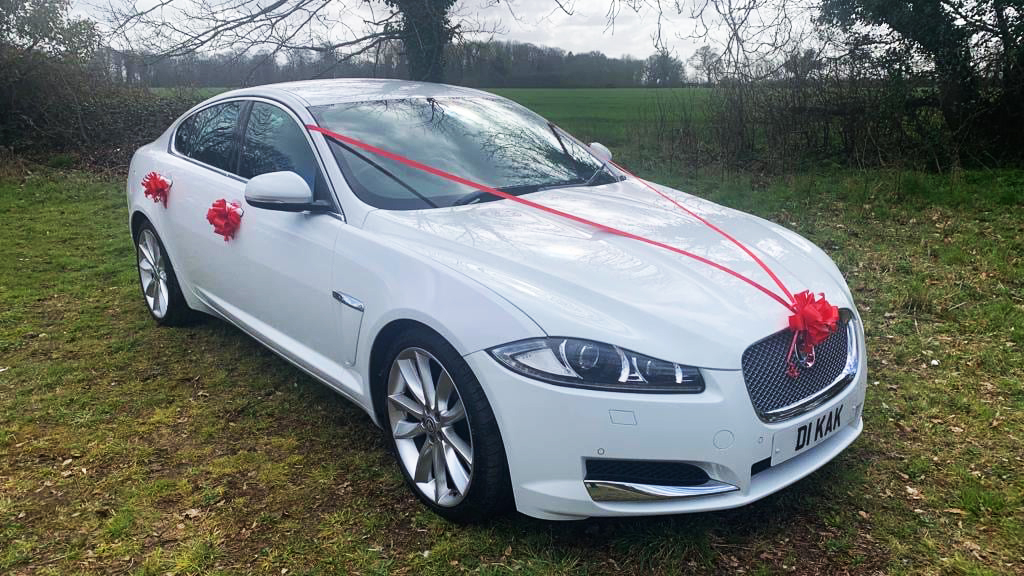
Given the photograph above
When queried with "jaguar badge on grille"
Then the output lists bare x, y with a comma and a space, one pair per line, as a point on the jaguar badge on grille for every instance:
801, 357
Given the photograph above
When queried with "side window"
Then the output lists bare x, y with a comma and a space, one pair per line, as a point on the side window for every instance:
274, 142
209, 135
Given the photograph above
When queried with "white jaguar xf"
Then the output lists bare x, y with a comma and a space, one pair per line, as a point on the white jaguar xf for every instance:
515, 352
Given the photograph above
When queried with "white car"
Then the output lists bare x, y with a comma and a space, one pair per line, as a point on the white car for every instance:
514, 356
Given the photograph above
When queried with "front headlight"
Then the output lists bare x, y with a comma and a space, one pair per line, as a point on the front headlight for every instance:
597, 366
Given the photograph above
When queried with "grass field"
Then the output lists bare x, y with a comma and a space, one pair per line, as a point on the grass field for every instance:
589, 113
604, 114
197, 93
127, 448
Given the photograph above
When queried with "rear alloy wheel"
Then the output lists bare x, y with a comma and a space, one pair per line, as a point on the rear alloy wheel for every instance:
442, 429
159, 284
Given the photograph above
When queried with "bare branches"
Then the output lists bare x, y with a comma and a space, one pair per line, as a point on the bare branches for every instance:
338, 30
175, 28
752, 36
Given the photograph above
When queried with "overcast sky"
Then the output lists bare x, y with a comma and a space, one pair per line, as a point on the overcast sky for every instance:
541, 22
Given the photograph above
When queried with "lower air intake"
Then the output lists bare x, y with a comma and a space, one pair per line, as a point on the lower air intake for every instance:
645, 472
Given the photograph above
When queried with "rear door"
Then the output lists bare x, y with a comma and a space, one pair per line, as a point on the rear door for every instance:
204, 155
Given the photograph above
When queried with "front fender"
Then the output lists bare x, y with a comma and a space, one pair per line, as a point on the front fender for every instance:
395, 282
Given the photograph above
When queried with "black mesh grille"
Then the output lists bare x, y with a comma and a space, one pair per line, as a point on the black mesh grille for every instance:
764, 370
646, 472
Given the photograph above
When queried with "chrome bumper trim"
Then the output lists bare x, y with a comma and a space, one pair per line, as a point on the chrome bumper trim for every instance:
608, 491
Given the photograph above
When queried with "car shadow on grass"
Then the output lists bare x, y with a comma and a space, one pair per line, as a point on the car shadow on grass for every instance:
800, 520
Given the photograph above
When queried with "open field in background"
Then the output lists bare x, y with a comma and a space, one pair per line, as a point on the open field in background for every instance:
127, 448
604, 114
199, 94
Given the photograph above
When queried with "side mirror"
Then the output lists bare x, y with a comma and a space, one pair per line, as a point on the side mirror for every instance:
284, 191
603, 153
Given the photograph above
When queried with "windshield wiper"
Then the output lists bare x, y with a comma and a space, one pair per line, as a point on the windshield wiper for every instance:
566, 184
554, 130
384, 171
477, 196
602, 168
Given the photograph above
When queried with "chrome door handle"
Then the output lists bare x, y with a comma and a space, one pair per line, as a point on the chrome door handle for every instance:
350, 301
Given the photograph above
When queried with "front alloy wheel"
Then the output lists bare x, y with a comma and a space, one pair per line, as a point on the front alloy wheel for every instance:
441, 427
429, 425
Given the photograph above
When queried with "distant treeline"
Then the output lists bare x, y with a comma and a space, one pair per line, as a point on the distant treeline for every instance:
482, 64
941, 93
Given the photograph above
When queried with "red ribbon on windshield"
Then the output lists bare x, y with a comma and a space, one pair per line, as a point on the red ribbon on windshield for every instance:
459, 179
810, 318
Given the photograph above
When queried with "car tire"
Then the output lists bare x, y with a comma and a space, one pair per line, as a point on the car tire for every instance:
161, 292
418, 431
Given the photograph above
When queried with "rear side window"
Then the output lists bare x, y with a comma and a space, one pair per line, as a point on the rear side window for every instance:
209, 135
274, 142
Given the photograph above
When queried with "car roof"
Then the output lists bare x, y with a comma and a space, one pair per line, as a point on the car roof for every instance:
324, 92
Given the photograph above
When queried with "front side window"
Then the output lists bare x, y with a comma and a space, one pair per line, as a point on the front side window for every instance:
273, 142
487, 140
209, 135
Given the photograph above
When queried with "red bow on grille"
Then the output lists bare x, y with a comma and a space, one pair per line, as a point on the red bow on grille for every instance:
156, 187
226, 217
812, 322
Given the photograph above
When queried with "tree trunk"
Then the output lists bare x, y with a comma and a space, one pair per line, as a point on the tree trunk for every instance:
426, 33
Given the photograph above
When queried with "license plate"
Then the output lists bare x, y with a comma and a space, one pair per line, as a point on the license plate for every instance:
802, 437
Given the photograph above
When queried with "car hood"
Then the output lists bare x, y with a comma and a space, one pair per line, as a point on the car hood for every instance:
574, 280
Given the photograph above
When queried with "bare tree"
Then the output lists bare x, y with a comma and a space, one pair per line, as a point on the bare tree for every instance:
751, 32
345, 29
706, 62
663, 70
752, 36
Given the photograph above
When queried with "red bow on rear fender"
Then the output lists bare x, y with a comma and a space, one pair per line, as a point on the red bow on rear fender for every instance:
156, 187
226, 217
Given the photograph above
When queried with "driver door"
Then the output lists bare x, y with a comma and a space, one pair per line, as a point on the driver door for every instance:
282, 285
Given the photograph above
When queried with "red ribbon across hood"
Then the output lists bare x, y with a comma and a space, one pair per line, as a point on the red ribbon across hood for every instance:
811, 320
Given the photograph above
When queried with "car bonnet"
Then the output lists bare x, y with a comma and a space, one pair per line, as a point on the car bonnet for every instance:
574, 280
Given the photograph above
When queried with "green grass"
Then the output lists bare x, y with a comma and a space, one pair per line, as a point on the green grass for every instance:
605, 114
199, 93
128, 448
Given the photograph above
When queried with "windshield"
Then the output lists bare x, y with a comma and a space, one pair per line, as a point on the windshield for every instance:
493, 142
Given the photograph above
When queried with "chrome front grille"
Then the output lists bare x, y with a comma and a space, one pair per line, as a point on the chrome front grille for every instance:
775, 395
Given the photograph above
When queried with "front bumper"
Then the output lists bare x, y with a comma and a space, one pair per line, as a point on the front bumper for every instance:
550, 431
